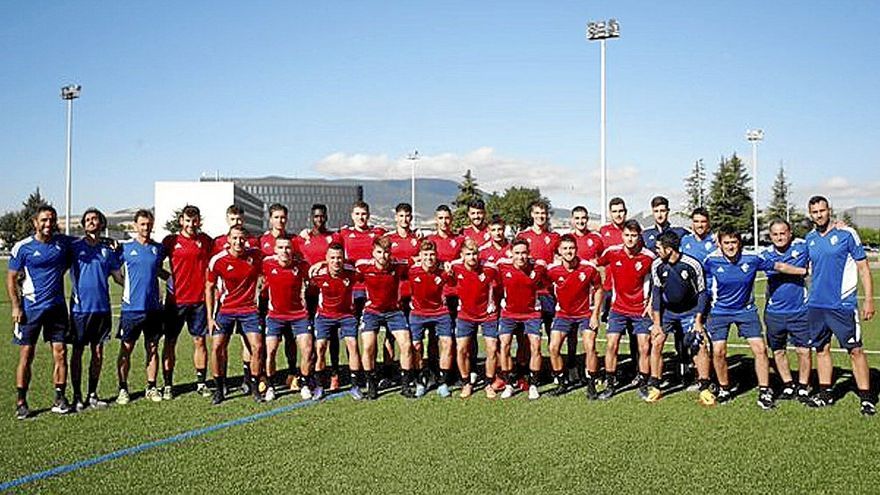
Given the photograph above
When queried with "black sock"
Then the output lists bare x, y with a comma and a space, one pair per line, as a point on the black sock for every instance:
560, 377
789, 384
151, 384
22, 394
703, 384
59, 390
444, 377
168, 377
200, 375
533, 378
824, 389
77, 390
246, 370
221, 383
654, 382
123, 386
866, 396
93, 385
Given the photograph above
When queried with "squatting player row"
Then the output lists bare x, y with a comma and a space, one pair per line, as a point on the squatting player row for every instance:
308, 291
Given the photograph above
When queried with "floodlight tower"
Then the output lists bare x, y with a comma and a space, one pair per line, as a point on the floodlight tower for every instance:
755, 136
69, 93
601, 31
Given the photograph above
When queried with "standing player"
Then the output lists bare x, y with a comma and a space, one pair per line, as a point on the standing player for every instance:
94, 262
660, 211
542, 243
448, 246
235, 274
700, 242
477, 283
498, 246
612, 235
785, 313
277, 230
382, 278
430, 312
285, 276
579, 298
404, 250
678, 302
629, 267
521, 279
335, 315
730, 278
478, 229
39, 262
837, 261
142, 259
188, 255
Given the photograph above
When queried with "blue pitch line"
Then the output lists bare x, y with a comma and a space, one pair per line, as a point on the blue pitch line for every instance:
68, 468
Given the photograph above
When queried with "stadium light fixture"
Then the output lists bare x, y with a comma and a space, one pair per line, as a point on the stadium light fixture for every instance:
69, 93
755, 136
413, 158
601, 31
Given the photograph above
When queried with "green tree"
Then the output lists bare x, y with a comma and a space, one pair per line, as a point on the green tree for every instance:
17, 225
781, 205
173, 223
730, 197
695, 188
870, 237
513, 205
467, 192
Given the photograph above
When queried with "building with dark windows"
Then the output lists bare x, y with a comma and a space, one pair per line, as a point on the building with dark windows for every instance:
298, 195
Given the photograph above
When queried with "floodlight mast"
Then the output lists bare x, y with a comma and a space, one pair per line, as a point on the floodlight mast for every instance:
69, 93
601, 31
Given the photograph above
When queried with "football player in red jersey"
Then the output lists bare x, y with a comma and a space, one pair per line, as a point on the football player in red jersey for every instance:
477, 283
286, 276
382, 277
498, 246
578, 301
404, 250
521, 279
336, 281
478, 229
589, 243
236, 272
542, 246
428, 281
629, 267
188, 255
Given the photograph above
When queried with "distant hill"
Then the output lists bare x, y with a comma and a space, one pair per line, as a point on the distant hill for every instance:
384, 195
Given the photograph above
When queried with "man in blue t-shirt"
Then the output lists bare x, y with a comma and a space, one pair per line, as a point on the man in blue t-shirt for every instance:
142, 259
785, 312
730, 279
700, 242
93, 262
35, 283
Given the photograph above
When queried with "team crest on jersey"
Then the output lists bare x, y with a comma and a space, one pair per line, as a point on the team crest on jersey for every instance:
795, 253
394, 244
179, 246
684, 275
418, 280
329, 239
154, 250
452, 243
745, 267
437, 280
412, 242
346, 282
834, 240
532, 275
639, 265
562, 279
482, 277
590, 242
708, 245
582, 276
82, 253
266, 244
105, 252
199, 244
546, 239
372, 234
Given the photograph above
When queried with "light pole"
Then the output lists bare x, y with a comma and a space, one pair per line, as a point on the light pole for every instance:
413, 158
69, 93
601, 31
755, 136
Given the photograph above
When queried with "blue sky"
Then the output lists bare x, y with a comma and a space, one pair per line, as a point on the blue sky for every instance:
510, 89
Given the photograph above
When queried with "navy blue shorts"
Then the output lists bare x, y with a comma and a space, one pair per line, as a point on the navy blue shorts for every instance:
194, 315
359, 298
570, 325
782, 326
843, 323
442, 326
508, 326
345, 326
466, 328
747, 323
287, 328
133, 323
53, 322
619, 323
89, 328
393, 321
247, 323
678, 322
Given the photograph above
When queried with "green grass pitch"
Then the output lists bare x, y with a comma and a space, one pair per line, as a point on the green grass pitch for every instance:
433, 445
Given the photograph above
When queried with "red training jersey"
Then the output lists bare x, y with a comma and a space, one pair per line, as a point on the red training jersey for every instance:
382, 285
480, 236
335, 299
574, 288
448, 248
285, 286
589, 245
489, 252
404, 250
631, 278
521, 288
314, 248
237, 279
221, 243
476, 288
188, 257
542, 245
359, 243
612, 235
428, 291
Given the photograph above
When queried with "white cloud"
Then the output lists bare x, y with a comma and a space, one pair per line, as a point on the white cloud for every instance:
844, 193
493, 172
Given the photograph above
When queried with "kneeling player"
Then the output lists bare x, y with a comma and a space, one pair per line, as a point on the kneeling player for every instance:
578, 302
678, 301
731, 275
477, 283
285, 276
335, 281
521, 280
236, 271
629, 267
382, 279
430, 313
